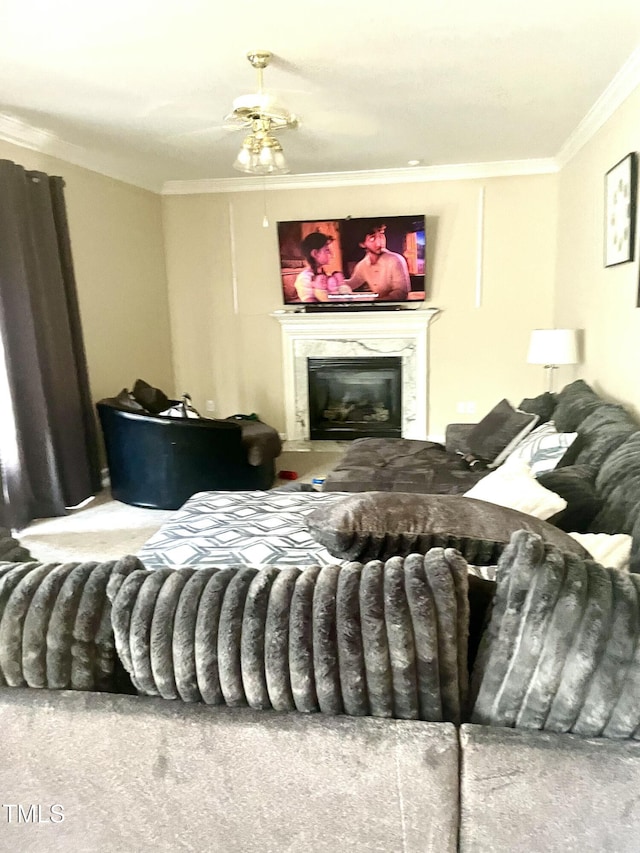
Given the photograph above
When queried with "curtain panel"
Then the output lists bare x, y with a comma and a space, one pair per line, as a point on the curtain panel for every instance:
49, 457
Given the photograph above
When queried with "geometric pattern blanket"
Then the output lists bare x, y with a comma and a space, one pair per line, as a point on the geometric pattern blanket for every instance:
240, 528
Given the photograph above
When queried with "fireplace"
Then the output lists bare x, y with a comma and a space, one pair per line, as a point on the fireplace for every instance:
393, 334
355, 397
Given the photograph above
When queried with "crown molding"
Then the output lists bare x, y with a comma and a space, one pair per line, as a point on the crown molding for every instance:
623, 84
455, 172
25, 135
627, 79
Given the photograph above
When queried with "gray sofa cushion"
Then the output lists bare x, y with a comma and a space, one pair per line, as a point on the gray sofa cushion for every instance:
55, 624
382, 639
400, 465
600, 433
618, 484
575, 402
377, 525
575, 484
559, 653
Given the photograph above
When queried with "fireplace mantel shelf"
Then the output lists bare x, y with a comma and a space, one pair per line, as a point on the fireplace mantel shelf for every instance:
398, 321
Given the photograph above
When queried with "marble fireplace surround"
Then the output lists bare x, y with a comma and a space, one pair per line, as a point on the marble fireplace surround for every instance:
403, 333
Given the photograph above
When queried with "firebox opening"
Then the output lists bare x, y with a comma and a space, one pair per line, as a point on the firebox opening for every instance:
355, 397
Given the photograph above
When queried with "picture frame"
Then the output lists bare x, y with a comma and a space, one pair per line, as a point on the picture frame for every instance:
620, 211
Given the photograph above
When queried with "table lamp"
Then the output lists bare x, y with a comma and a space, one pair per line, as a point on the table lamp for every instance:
552, 347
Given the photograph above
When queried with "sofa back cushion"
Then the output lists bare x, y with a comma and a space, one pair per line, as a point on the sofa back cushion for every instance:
575, 402
600, 433
618, 484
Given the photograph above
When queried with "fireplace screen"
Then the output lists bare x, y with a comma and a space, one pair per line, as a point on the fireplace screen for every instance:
355, 397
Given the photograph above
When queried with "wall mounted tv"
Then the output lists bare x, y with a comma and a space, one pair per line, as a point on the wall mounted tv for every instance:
351, 262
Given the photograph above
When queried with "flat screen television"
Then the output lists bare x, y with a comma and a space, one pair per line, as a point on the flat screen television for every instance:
357, 262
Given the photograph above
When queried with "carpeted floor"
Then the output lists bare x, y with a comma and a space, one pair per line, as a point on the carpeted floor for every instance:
104, 529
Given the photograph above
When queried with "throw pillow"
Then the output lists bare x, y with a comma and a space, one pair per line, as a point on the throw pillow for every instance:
575, 485
153, 399
543, 406
612, 550
125, 401
379, 525
543, 448
499, 432
514, 486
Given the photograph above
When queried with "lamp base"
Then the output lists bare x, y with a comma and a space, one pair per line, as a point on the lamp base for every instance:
550, 368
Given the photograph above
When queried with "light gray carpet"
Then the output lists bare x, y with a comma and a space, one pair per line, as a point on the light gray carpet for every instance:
104, 529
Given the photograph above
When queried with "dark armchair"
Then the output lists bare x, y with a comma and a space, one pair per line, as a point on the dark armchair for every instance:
159, 462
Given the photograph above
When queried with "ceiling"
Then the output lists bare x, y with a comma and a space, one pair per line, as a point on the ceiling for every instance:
138, 88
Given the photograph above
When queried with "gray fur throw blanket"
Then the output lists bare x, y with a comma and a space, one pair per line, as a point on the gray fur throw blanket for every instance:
55, 623
562, 651
386, 639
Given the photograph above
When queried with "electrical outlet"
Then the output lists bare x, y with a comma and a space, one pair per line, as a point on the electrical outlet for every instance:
210, 406
466, 407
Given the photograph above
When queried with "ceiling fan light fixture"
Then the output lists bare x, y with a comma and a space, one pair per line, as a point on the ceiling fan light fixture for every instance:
261, 153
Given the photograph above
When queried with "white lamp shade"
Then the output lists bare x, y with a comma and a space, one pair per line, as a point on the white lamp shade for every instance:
553, 346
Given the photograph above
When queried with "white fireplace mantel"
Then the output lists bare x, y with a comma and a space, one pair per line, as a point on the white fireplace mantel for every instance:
401, 333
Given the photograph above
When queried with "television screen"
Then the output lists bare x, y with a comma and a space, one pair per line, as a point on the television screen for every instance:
342, 262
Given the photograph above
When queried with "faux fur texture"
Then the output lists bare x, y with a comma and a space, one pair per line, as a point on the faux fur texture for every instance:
55, 624
380, 525
11, 551
206, 636
301, 671
162, 632
384, 639
325, 647
350, 651
230, 636
252, 643
377, 660
562, 649
140, 630
278, 639
184, 635
36, 625
424, 619
402, 650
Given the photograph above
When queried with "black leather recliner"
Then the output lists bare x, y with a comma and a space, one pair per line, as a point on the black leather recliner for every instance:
159, 462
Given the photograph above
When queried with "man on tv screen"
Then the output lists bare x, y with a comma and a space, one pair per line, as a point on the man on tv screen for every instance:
385, 273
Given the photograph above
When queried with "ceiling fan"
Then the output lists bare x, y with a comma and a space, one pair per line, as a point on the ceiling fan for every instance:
260, 113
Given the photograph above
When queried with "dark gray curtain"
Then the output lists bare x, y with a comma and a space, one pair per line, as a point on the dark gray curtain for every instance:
49, 456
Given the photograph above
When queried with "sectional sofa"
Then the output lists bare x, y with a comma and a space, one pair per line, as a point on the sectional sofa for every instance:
599, 475
171, 710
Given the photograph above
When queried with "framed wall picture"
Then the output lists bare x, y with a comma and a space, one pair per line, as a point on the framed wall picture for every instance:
620, 211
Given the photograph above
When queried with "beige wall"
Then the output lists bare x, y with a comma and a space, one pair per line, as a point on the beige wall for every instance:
223, 275
118, 253
602, 301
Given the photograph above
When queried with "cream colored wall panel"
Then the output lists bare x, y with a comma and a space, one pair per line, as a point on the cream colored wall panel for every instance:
224, 283
602, 301
118, 254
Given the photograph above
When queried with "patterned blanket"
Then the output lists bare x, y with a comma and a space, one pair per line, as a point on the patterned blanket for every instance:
246, 528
